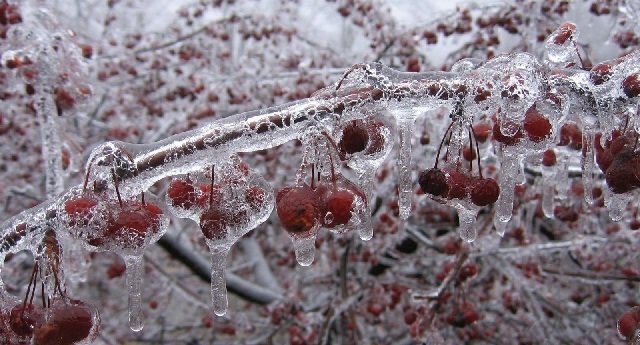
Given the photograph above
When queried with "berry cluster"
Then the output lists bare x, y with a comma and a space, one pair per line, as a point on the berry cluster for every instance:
619, 160
454, 182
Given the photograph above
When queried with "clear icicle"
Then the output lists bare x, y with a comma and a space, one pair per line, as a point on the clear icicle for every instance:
51, 143
507, 182
548, 190
467, 230
219, 299
305, 248
588, 163
562, 177
135, 269
501, 227
365, 228
617, 204
405, 184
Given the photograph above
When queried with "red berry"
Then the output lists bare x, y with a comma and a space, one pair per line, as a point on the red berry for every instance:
563, 33
80, 210
469, 154
434, 182
620, 175
256, 197
482, 131
24, 319
376, 138
216, 222
549, 158
354, 137
485, 191
536, 125
205, 198
631, 85
340, 203
182, 194
508, 140
570, 134
458, 184
67, 324
600, 73
298, 210
463, 315
131, 226
628, 323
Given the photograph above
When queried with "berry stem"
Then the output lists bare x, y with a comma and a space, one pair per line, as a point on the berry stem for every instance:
212, 179
313, 176
115, 183
477, 151
470, 150
435, 165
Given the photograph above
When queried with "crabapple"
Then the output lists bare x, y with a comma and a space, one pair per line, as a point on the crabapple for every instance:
485, 191
68, 323
340, 204
628, 323
297, 209
536, 125
23, 319
434, 182
182, 194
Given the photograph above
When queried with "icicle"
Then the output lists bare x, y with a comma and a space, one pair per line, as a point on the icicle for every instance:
562, 176
507, 182
588, 163
51, 144
135, 269
405, 185
77, 263
467, 217
305, 247
617, 204
219, 298
548, 190
365, 229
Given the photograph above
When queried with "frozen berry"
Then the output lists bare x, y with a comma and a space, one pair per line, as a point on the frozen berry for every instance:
631, 85
216, 221
549, 158
628, 323
131, 225
434, 182
620, 175
68, 324
485, 191
536, 125
514, 130
600, 73
298, 210
354, 137
338, 205
458, 184
571, 134
24, 319
80, 210
182, 194
563, 33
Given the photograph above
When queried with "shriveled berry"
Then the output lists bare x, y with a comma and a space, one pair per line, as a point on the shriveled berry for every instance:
485, 191
434, 182
571, 134
620, 175
298, 210
354, 137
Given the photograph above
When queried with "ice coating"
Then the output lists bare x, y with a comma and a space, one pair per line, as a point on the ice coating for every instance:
219, 299
135, 271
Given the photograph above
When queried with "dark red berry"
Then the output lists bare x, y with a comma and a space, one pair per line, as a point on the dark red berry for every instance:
485, 191
631, 85
434, 182
182, 194
24, 319
80, 210
600, 73
216, 221
463, 315
563, 33
67, 325
628, 323
298, 210
536, 125
620, 175
570, 134
354, 137
340, 203
510, 127
458, 184
131, 226
482, 130
549, 158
